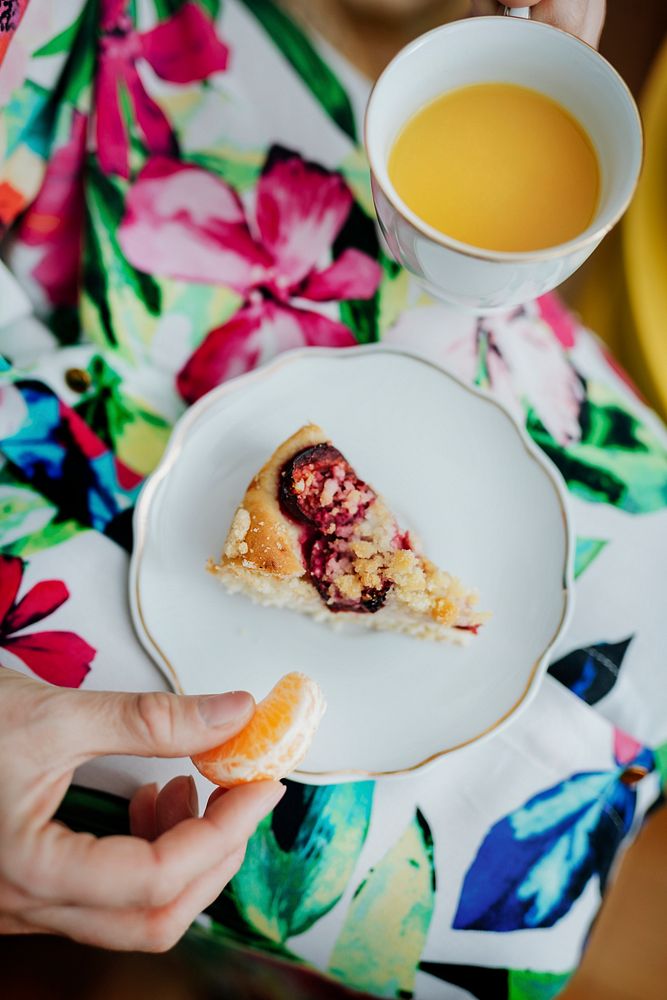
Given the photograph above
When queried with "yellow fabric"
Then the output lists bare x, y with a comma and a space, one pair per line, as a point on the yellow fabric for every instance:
624, 292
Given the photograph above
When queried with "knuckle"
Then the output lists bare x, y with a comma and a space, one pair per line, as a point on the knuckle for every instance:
236, 859
12, 900
162, 889
162, 932
23, 873
156, 718
32, 720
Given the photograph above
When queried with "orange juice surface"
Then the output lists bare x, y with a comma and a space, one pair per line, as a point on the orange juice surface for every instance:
498, 166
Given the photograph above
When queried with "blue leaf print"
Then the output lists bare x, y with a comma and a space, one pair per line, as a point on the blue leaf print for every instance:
587, 550
534, 863
591, 672
69, 465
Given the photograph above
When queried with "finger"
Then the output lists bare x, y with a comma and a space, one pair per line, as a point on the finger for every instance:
177, 801
215, 795
482, 8
154, 930
583, 19
143, 820
17, 925
79, 869
84, 724
168, 925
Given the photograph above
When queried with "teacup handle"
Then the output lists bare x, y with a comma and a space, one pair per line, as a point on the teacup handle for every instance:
517, 11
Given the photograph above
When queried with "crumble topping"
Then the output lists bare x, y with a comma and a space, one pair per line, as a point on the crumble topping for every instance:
352, 547
236, 544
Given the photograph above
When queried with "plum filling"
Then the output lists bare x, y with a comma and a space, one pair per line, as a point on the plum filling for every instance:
320, 490
329, 561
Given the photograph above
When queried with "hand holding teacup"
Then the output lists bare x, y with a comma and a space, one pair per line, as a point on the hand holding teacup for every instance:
583, 18
476, 272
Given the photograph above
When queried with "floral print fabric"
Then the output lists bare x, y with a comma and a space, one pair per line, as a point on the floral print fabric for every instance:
182, 197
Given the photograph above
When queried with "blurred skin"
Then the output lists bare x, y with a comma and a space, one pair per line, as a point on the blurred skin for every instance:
583, 18
139, 892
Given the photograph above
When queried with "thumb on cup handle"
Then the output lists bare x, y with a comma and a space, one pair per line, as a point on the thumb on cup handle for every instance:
512, 10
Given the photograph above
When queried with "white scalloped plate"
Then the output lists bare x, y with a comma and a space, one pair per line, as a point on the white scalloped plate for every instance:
456, 469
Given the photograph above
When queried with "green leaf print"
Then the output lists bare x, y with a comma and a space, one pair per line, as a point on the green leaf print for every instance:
211, 6
27, 520
230, 924
354, 169
95, 280
306, 61
64, 40
660, 754
109, 201
587, 550
21, 512
382, 939
523, 984
77, 75
619, 460
165, 8
134, 433
126, 302
300, 859
392, 293
65, 324
53, 533
360, 315
238, 167
25, 120
370, 318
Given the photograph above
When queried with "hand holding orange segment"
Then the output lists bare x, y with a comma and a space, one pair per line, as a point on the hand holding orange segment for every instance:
275, 740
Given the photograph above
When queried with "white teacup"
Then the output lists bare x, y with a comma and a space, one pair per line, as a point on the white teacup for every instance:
508, 50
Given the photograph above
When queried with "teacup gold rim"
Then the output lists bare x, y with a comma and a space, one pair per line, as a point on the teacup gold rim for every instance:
500, 256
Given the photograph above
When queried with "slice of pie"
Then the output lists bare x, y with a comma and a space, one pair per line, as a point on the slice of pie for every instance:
310, 535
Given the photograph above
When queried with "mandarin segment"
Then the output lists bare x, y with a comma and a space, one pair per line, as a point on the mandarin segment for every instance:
275, 740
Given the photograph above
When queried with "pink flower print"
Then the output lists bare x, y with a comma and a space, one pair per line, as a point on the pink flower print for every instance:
185, 223
626, 747
529, 359
61, 658
182, 49
12, 14
54, 221
37, 27
526, 366
560, 319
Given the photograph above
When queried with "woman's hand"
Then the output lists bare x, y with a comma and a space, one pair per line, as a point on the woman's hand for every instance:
583, 18
139, 892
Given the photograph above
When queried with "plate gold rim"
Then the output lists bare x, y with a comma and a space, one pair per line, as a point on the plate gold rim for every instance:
172, 453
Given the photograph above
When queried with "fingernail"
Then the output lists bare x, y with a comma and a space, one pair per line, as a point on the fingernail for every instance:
221, 709
193, 797
271, 797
